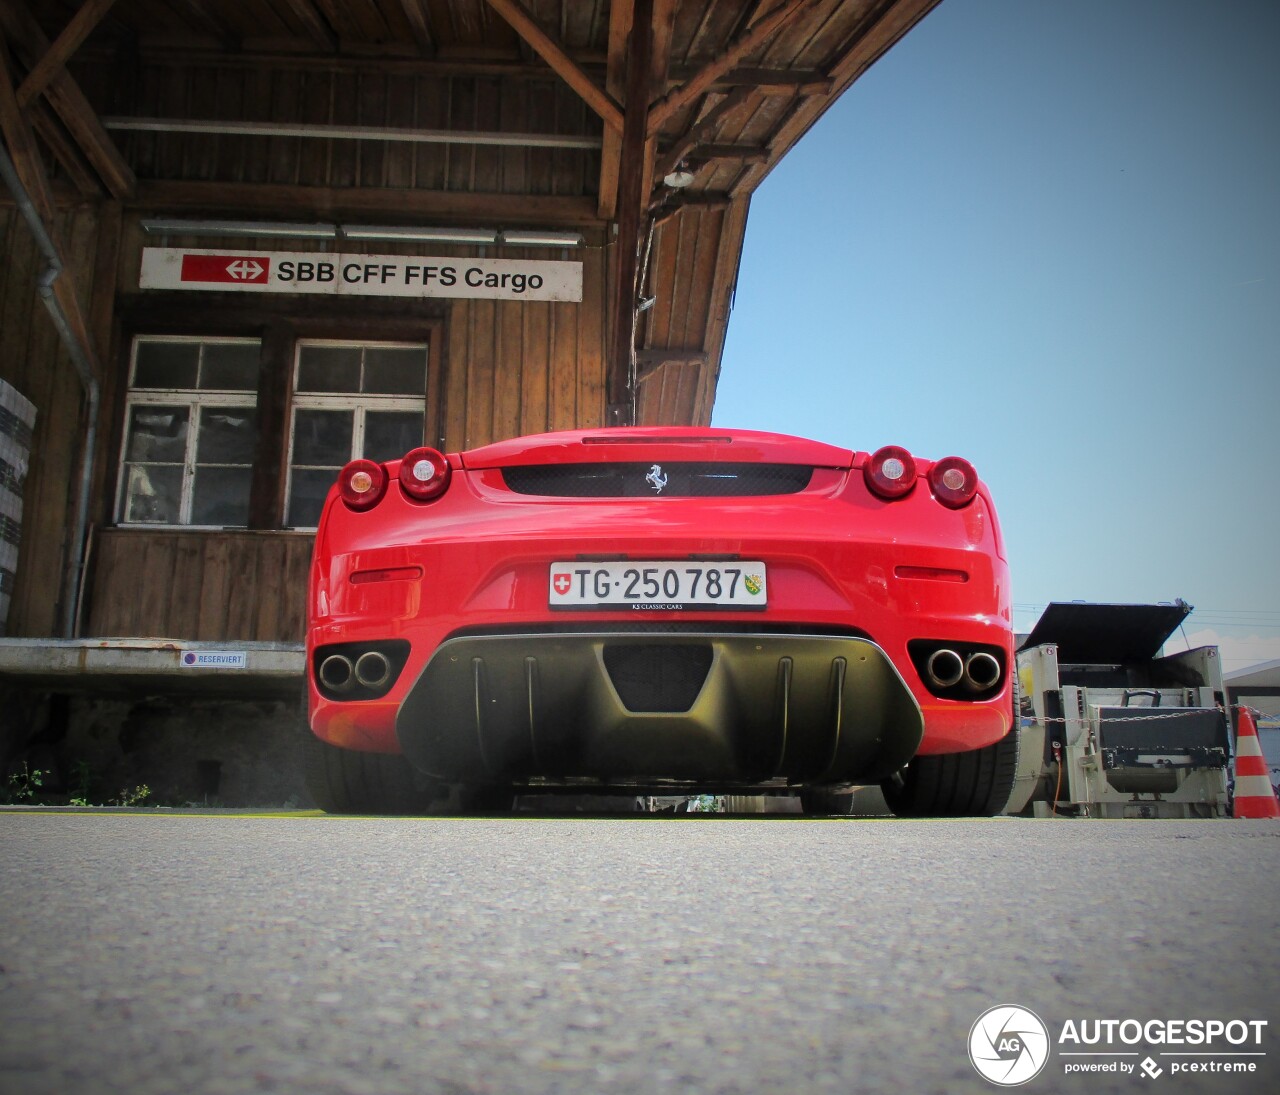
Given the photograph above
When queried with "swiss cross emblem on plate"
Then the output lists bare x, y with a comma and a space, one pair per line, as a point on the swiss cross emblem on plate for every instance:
562, 582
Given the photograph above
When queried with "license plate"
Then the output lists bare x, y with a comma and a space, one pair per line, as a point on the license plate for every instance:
653, 585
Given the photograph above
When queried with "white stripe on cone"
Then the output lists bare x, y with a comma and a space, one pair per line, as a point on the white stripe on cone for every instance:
1247, 745
1253, 787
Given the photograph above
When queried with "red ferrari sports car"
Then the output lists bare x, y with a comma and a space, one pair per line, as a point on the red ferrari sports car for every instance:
660, 611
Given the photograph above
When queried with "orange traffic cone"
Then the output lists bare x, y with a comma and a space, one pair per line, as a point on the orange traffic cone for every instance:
1255, 797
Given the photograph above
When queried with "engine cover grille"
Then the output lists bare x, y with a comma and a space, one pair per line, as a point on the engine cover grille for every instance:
648, 480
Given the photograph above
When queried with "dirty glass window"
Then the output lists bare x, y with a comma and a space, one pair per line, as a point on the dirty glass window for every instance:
351, 400
191, 427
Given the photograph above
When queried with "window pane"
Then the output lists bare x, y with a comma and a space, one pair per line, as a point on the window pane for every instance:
230, 367
306, 496
322, 437
227, 435
220, 496
153, 494
329, 369
157, 434
166, 365
395, 371
388, 435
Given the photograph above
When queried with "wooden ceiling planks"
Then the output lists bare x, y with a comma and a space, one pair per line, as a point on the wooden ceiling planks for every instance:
731, 85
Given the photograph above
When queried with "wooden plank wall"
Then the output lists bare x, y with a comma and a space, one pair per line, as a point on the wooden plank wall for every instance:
508, 368
33, 361
519, 368
200, 585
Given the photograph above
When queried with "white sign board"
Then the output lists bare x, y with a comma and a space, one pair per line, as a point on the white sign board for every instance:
359, 275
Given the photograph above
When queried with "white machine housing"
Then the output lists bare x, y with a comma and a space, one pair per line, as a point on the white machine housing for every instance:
1108, 727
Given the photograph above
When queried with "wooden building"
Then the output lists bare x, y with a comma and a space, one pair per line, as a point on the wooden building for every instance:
248, 240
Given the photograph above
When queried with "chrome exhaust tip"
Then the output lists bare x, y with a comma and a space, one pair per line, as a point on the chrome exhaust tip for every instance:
981, 671
337, 674
373, 670
944, 668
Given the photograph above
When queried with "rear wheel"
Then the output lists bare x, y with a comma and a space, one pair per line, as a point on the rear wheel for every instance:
342, 781
973, 784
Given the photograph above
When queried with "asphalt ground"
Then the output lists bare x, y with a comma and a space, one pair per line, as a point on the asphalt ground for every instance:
159, 952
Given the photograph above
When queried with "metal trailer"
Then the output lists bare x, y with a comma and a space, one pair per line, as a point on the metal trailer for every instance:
1108, 727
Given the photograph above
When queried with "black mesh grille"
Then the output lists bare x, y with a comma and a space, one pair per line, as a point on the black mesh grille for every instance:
663, 679
647, 480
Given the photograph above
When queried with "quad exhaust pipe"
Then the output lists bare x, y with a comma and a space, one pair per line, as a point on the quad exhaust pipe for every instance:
339, 674
945, 668
981, 671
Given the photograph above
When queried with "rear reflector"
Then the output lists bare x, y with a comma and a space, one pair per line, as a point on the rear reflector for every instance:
393, 574
931, 574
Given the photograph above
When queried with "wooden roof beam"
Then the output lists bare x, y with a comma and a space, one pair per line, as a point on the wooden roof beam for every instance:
64, 150
564, 66
615, 85
35, 181
56, 57
684, 96
702, 129
324, 131
739, 153
68, 102
766, 81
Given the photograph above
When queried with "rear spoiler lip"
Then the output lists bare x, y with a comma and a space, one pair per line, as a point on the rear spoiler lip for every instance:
657, 444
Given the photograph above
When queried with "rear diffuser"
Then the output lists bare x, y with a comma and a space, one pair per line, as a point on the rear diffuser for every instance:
734, 708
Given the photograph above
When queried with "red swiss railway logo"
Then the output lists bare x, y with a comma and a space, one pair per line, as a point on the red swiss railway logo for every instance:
236, 269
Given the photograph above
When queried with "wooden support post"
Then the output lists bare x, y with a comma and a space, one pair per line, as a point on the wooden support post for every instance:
620, 393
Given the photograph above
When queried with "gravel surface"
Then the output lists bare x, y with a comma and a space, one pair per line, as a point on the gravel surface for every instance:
145, 952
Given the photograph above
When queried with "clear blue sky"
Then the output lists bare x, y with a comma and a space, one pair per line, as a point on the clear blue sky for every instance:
1045, 235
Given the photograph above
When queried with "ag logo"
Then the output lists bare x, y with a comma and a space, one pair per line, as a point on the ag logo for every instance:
1008, 1045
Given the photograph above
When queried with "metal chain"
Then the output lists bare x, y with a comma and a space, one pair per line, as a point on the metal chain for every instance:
1156, 714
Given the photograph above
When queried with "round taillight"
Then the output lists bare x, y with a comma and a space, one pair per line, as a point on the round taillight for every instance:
424, 474
362, 484
954, 481
891, 472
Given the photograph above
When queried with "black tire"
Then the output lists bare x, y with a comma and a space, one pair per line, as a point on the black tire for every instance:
342, 781
973, 784
485, 800
827, 803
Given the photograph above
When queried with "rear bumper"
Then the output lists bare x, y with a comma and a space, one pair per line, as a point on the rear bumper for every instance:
739, 709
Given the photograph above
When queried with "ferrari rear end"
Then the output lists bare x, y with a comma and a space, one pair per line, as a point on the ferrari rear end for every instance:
665, 608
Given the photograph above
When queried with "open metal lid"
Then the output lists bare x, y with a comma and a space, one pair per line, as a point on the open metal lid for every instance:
1106, 634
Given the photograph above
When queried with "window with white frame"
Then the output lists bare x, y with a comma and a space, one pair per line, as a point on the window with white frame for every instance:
351, 400
191, 428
